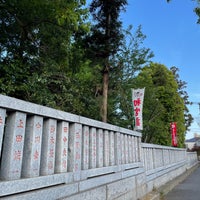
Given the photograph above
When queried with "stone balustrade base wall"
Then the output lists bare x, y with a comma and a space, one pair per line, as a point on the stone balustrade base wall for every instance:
160, 178
132, 184
129, 184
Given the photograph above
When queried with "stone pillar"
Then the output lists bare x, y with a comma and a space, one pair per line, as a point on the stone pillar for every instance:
151, 163
62, 147
85, 148
75, 143
118, 149
112, 149
106, 148
162, 157
140, 149
2, 124
134, 149
48, 147
130, 149
126, 148
93, 147
99, 148
13, 145
149, 160
146, 158
123, 149
32, 147
154, 158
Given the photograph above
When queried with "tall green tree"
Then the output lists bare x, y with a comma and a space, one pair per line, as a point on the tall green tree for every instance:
182, 85
36, 48
163, 104
104, 41
127, 63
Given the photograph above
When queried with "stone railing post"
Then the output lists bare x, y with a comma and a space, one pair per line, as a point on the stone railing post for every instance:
11, 163
75, 144
62, 139
106, 148
48, 147
85, 148
118, 149
93, 148
99, 148
32, 147
112, 149
2, 124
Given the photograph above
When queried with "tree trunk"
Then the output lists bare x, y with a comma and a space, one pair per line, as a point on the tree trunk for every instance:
104, 108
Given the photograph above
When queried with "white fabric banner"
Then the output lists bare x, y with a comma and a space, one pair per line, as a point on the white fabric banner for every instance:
137, 100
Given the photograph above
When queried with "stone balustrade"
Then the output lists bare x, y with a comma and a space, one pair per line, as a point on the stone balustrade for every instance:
191, 159
163, 163
51, 154
38, 142
158, 156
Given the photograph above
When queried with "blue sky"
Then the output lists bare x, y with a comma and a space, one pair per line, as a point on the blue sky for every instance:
174, 36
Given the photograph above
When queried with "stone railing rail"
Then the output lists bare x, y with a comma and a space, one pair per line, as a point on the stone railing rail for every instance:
163, 163
51, 154
191, 159
159, 157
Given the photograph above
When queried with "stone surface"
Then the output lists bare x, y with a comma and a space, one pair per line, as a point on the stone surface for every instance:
126, 148
106, 149
62, 147
137, 158
134, 150
111, 149
31, 108
27, 184
52, 193
118, 149
98, 172
85, 148
98, 181
120, 188
99, 148
2, 124
130, 149
123, 148
47, 165
93, 148
75, 149
32, 147
141, 185
11, 163
96, 194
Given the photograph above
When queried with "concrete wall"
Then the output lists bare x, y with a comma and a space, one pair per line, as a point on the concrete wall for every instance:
50, 154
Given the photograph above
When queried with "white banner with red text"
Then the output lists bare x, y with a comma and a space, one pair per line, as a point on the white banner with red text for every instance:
137, 100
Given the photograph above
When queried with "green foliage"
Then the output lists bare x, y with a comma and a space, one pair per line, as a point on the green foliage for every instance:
106, 35
104, 41
125, 66
48, 55
37, 45
162, 105
184, 95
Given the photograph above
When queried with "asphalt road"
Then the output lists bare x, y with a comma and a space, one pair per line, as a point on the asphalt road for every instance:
189, 189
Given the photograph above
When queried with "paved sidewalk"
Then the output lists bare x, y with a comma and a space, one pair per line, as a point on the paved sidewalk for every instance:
189, 189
